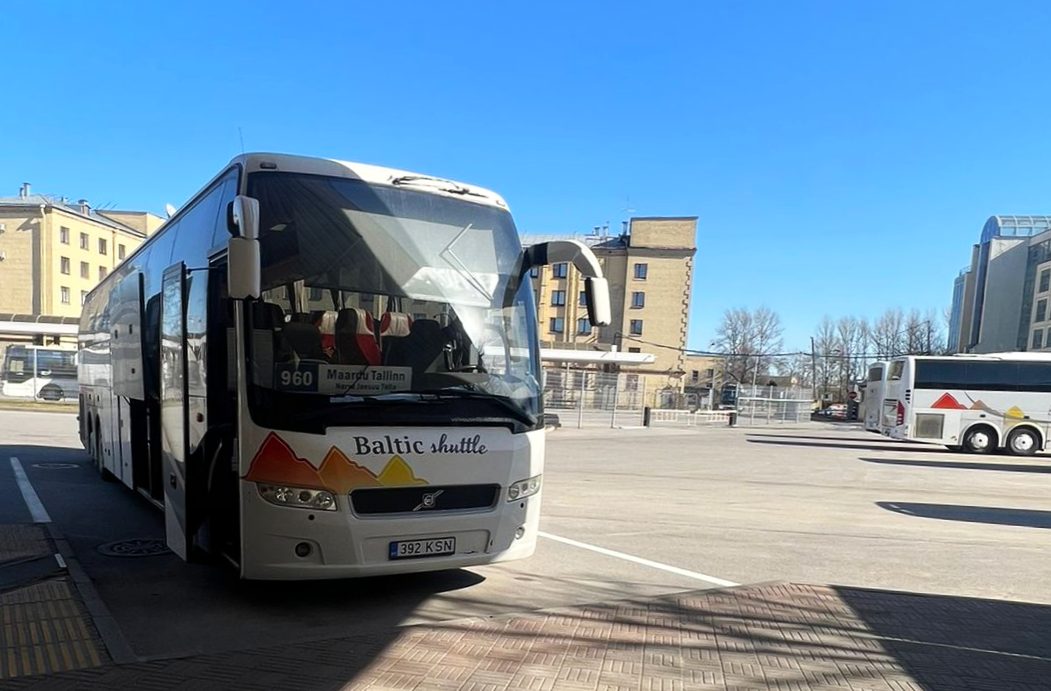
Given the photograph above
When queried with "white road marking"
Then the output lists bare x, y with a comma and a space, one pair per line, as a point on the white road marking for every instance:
639, 560
36, 507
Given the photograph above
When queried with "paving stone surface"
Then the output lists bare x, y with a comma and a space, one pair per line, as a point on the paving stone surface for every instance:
789, 637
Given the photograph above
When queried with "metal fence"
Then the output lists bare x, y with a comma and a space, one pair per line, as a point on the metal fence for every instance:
772, 404
587, 398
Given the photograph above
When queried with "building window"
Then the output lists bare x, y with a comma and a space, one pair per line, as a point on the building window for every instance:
85, 270
638, 299
102, 272
64, 293
121, 251
558, 325
63, 235
315, 294
582, 299
1038, 339
64, 265
560, 270
636, 327
583, 327
535, 272
84, 242
102, 245
695, 376
1045, 280
83, 297
1041, 310
558, 298
709, 373
640, 271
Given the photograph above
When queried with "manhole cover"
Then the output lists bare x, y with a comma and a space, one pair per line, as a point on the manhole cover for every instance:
135, 547
54, 466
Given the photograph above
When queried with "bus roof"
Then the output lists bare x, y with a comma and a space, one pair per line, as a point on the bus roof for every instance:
379, 175
999, 357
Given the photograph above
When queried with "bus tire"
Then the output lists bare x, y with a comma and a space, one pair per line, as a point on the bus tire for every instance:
1023, 441
980, 439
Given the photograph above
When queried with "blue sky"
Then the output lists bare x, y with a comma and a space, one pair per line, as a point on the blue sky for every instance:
841, 157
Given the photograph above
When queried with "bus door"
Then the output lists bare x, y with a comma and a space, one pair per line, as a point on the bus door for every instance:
174, 411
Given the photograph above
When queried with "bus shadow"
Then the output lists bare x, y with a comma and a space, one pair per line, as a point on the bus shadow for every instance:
962, 465
874, 438
1027, 518
842, 445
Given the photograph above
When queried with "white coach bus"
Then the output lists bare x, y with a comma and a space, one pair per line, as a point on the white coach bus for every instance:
31, 371
872, 398
321, 369
977, 403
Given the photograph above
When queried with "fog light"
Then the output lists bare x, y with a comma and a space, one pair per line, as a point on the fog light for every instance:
519, 532
303, 549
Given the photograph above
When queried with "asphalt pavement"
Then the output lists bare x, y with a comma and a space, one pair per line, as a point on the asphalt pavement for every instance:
627, 514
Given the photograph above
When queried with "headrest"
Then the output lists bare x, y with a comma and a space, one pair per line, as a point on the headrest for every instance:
327, 322
395, 325
355, 319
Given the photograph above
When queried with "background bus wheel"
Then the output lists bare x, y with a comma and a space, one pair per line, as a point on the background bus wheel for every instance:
979, 439
1023, 442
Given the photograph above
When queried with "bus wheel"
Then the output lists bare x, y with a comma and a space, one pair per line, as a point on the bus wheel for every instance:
980, 439
1023, 442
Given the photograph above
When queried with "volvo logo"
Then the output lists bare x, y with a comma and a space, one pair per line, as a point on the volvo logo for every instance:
428, 500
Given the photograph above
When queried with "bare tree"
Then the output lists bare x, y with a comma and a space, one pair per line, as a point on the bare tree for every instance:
750, 339
887, 336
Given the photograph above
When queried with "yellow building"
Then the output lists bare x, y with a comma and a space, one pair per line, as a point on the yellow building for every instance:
53, 252
650, 272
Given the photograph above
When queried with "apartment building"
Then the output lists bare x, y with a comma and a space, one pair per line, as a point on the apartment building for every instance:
53, 252
650, 271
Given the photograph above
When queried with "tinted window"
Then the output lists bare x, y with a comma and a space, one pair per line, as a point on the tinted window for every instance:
196, 229
972, 374
1034, 376
220, 235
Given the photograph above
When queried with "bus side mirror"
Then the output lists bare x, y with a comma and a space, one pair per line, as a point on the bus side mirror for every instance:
596, 287
596, 293
243, 256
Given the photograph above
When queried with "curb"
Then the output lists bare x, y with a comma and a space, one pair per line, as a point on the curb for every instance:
117, 646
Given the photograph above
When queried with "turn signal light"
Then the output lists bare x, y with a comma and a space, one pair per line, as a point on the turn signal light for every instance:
524, 488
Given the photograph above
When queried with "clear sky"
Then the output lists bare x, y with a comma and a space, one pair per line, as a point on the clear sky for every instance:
842, 156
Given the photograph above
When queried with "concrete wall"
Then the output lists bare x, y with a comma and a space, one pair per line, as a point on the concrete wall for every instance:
1002, 306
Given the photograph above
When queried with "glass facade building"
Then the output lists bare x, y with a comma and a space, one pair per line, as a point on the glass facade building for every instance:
967, 337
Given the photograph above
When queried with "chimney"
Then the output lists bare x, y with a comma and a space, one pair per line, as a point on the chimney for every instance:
85, 208
24, 192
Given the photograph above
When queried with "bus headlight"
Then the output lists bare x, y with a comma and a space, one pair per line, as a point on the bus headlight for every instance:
524, 488
298, 497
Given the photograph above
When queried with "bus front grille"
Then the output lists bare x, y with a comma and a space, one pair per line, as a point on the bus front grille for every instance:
423, 500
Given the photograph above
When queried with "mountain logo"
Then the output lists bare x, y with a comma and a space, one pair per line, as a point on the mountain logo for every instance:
276, 463
948, 402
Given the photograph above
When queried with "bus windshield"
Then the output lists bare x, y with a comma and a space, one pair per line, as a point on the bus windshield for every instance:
390, 296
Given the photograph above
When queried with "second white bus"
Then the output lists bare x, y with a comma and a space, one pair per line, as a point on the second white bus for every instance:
974, 403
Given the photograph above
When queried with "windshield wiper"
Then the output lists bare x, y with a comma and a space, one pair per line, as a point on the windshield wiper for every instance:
474, 395
437, 183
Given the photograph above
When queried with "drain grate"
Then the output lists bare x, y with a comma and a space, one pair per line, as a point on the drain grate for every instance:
55, 466
135, 547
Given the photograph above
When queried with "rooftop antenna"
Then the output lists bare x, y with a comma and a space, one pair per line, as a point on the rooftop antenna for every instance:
241, 136
169, 210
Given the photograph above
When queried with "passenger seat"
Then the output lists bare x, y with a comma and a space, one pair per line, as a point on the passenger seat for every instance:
355, 338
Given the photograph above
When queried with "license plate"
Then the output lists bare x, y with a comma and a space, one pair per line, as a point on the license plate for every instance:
411, 549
